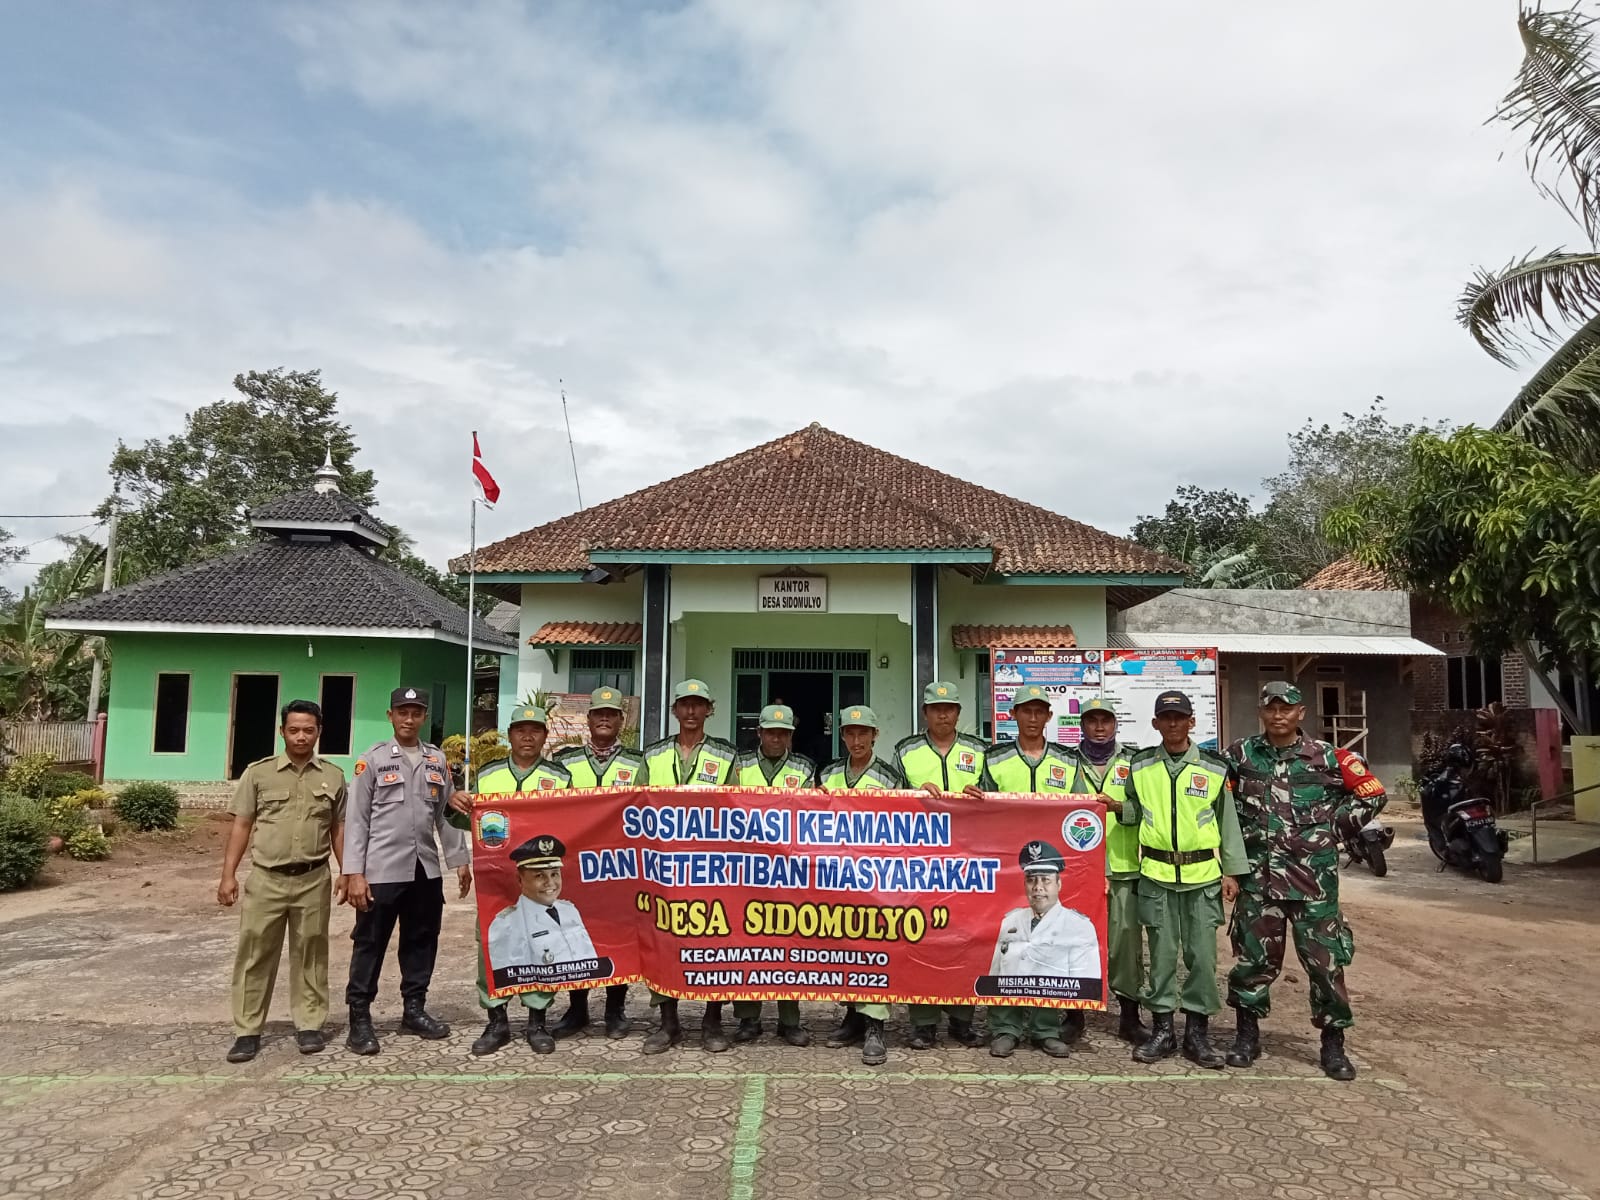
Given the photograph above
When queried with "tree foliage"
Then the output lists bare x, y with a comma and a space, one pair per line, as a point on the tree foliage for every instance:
44, 675
1551, 301
1501, 531
1227, 542
190, 492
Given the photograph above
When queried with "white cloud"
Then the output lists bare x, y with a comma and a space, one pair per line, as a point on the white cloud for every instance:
1153, 240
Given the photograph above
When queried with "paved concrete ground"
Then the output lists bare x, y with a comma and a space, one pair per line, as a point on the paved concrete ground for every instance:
1478, 1076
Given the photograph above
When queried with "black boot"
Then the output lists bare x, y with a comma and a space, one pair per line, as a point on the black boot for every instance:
1161, 1043
1335, 1063
1197, 1047
1072, 1025
963, 1032
1246, 1039
617, 1011
794, 1035
712, 1038
244, 1048
496, 1032
539, 1039
575, 1019
749, 1030
415, 1019
361, 1038
667, 1034
874, 1047
1129, 1027
923, 1037
850, 1031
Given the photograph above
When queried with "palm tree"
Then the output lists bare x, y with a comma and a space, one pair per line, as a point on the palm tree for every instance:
1551, 302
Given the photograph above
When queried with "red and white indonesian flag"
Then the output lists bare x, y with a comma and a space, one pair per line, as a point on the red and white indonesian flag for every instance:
487, 487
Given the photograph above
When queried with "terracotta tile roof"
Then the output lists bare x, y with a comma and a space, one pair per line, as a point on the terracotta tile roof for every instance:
588, 633
1347, 575
817, 490
1042, 637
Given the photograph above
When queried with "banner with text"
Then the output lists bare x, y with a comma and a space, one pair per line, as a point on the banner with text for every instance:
748, 893
1130, 679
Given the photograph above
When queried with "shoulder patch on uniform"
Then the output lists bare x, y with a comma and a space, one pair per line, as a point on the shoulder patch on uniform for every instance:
361, 765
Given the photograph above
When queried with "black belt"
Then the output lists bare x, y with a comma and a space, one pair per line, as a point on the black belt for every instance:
299, 868
1179, 858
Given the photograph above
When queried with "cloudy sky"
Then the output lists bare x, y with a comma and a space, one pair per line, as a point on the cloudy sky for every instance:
1083, 252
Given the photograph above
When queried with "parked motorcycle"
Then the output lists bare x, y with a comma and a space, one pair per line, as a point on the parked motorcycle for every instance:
1461, 829
1368, 844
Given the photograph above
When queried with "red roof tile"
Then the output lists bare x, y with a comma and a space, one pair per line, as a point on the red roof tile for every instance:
817, 490
1040, 637
588, 633
1347, 575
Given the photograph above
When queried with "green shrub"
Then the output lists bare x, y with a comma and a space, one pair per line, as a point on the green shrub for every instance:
89, 844
64, 783
22, 841
27, 773
94, 797
64, 816
148, 805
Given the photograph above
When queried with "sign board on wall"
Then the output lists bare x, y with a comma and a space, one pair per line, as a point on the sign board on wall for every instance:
792, 593
1130, 679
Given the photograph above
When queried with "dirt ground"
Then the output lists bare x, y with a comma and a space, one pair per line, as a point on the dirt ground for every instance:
1474, 1003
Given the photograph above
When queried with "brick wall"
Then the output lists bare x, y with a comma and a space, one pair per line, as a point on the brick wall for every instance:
1443, 630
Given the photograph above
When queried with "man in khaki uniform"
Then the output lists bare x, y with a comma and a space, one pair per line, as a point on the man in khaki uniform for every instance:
293, 803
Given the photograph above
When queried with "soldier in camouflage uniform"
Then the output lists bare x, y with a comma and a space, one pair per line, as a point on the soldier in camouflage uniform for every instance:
1294, 795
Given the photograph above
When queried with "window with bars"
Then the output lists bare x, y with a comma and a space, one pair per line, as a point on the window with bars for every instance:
800, 660
1473, 681
592, 669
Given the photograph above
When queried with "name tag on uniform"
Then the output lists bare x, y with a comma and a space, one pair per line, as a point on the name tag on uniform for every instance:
540, 933
389, 777
967, 761
1199, 785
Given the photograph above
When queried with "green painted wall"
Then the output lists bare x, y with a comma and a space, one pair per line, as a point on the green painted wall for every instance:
442, 669
211, 660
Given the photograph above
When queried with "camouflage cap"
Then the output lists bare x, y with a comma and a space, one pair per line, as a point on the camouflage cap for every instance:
1096, 704
941, 691
692, 689
1030, 694
858, 714
1280, 689
777, 716
603, 698
524, 713
1041, 858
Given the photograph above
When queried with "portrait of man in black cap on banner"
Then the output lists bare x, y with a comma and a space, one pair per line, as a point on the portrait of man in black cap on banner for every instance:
1046, 937
540, 929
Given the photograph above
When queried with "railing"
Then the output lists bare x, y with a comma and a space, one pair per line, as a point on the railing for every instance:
68, 742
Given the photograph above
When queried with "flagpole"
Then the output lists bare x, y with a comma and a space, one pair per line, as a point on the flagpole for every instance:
472, 580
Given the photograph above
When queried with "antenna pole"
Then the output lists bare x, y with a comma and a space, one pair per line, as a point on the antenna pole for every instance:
571, 449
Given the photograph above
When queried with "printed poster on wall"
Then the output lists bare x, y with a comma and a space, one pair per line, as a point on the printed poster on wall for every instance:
1130, 679
750, 893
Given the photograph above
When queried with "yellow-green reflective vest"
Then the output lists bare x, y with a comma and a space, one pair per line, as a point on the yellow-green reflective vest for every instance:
499, 777
797, 772
1007, 770
711, 767
920, 763
1122, 841
1179, 832
625, 769
879, 776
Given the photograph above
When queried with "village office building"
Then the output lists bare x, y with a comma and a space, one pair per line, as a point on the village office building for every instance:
813, 570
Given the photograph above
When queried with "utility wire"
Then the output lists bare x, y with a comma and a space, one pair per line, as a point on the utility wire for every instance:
41, 516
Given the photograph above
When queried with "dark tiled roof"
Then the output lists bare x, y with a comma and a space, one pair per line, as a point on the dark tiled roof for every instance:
505, 617
281, 582
588, 633
294, 508
1347, 575
817, 490
1039, 637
